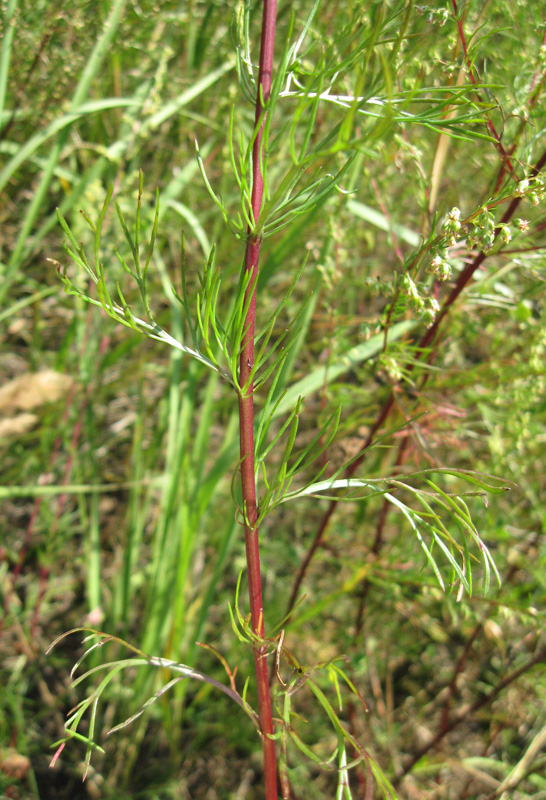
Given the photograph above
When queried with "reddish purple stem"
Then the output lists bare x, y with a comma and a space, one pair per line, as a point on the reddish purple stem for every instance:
246, 411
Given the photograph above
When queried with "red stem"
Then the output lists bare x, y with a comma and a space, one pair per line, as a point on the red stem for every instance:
246, 412
504, 155
536, 91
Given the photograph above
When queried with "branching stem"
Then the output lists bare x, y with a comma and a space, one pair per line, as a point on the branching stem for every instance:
425, 352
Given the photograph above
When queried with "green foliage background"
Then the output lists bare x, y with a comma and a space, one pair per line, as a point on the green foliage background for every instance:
117, 509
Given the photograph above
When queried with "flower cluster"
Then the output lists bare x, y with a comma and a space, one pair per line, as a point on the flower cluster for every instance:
534, 189
426, 306
391, 366
452, 230
482, 233
439, 267
452, 223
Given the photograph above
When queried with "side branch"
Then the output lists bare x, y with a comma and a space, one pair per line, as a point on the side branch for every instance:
426, 341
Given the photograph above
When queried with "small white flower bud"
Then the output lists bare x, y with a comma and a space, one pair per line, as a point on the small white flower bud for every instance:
434, 264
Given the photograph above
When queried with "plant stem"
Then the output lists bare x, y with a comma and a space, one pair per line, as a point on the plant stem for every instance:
246, 411
427, 356
507, 164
